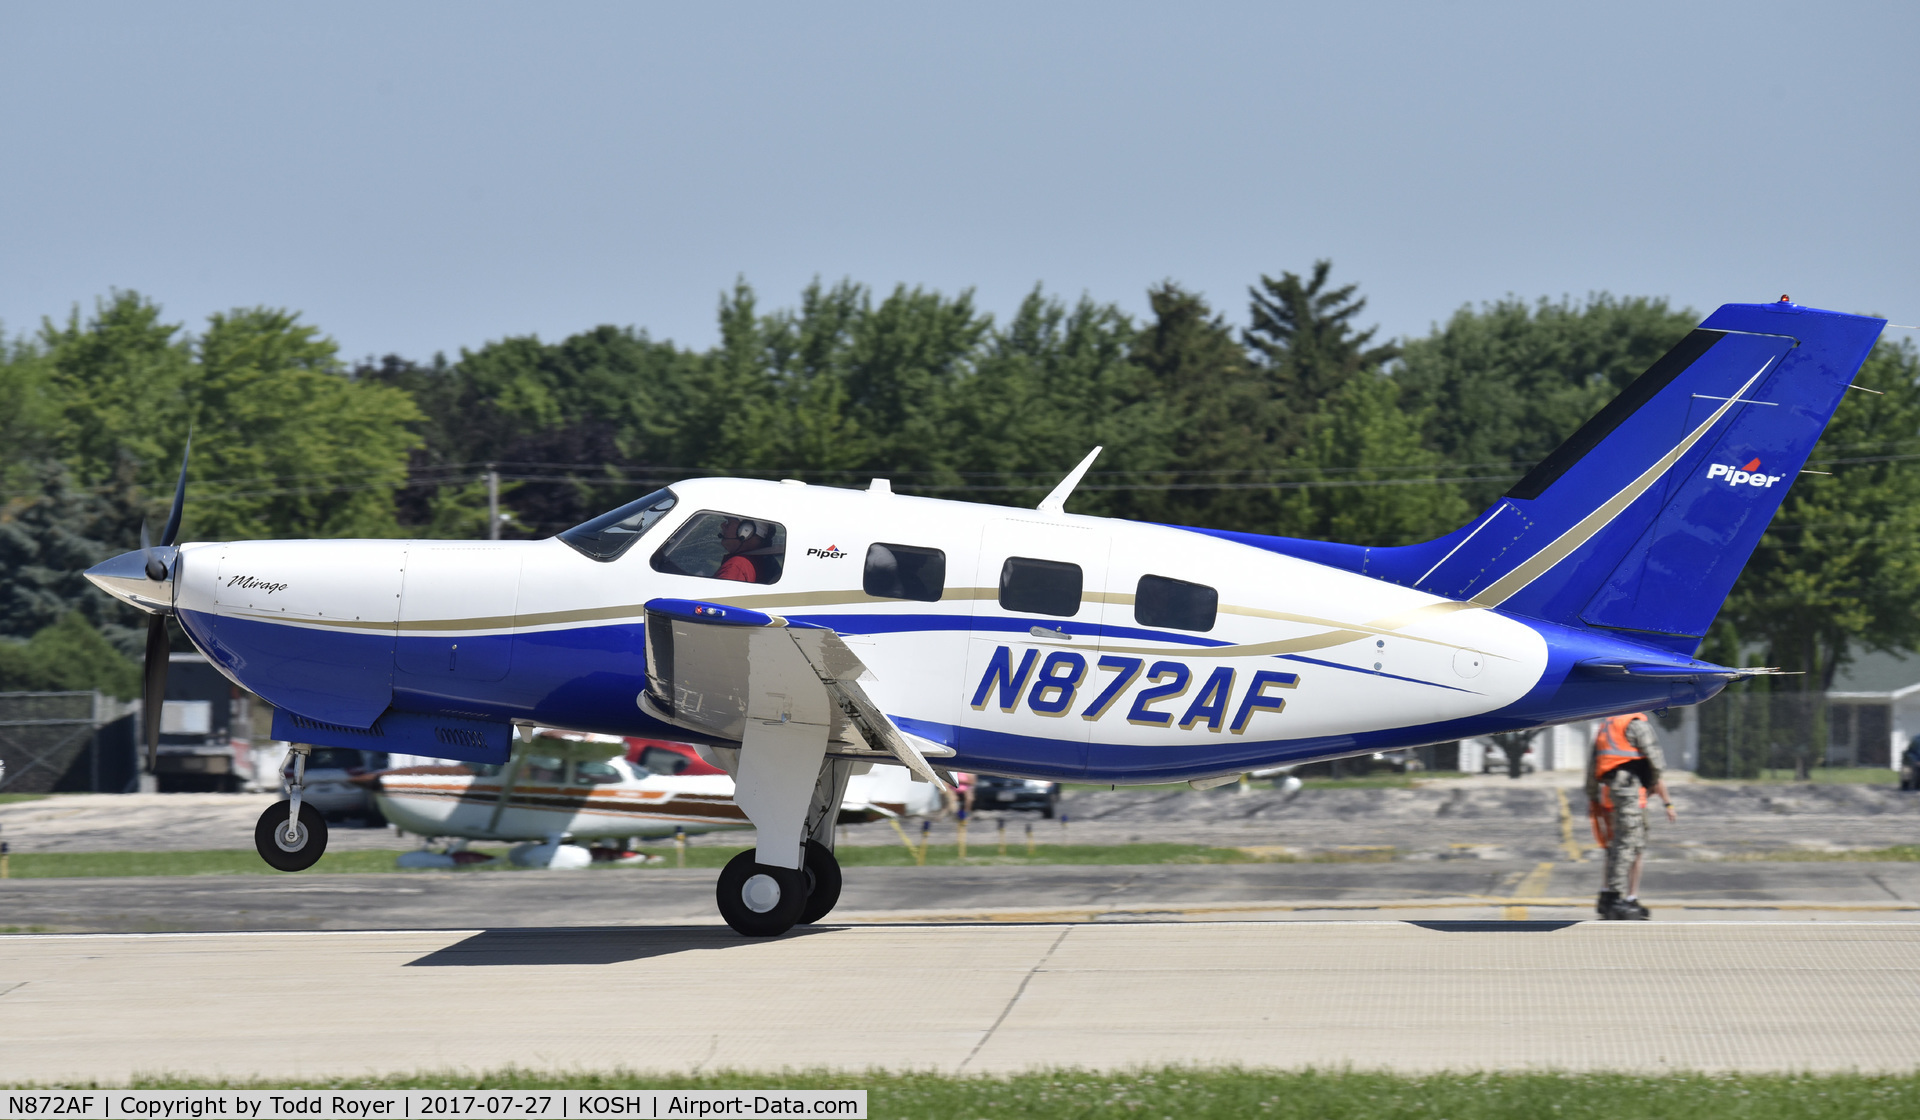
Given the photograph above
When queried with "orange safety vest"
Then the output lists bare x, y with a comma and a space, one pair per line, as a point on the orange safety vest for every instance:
1611, 751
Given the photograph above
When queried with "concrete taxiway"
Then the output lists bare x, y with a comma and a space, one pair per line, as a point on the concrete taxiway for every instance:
1466, 889
1751, 996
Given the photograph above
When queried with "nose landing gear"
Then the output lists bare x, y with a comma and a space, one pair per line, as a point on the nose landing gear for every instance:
291, 836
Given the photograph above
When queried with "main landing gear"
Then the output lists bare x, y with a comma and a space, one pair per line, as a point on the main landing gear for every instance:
291, 835
791, 792
760, 900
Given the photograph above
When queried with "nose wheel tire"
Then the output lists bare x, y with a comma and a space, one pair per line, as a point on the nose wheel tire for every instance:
759, 900
298, 852
823, 881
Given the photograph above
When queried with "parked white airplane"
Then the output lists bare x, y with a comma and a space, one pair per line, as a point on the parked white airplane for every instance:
562, 786
800, 631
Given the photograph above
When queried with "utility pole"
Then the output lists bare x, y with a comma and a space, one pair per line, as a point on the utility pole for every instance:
493, 503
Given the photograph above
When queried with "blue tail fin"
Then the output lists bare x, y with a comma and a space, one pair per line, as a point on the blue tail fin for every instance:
1643, 519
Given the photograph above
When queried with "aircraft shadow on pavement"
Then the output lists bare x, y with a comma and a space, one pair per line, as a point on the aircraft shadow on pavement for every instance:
604, 945
1485, 926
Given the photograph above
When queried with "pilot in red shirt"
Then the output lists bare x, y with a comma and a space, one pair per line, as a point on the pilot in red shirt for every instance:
739, 537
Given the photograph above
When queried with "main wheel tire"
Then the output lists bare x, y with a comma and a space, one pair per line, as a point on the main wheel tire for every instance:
306, 848
823, 882
758, 900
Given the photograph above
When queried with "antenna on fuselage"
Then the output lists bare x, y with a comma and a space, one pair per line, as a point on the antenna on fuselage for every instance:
1056, 502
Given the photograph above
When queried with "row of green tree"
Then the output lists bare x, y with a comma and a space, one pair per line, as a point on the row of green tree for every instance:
1294, 420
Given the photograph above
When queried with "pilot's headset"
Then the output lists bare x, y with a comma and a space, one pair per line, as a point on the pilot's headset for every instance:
748, 528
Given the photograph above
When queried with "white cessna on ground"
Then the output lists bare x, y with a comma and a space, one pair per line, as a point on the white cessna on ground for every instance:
563, 787
799, 632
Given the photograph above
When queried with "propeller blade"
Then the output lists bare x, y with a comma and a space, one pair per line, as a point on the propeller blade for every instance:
156, 568
154, 689
172, 530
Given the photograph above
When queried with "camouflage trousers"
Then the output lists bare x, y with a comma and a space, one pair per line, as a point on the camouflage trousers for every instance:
1629, 839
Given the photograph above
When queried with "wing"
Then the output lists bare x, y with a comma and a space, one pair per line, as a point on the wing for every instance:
711, 668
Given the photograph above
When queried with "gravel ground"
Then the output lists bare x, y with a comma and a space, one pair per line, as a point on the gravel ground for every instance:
1473, 818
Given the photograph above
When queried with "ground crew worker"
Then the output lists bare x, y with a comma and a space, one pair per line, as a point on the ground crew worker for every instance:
1624, 765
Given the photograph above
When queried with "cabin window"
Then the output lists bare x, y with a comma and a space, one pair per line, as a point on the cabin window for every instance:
544, 768
609, 535
1175, 604
595, 773
1040, 586
731, 546
898, 571
666, 763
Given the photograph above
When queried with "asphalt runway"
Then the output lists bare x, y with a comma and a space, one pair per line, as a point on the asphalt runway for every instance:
1476, 889
968, 998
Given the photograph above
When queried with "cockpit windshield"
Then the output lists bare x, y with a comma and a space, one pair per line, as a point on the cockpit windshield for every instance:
609, 535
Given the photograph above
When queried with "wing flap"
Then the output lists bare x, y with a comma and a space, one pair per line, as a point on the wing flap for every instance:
713, 668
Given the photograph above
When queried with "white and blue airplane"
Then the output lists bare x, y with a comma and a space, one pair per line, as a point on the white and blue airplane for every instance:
798, 632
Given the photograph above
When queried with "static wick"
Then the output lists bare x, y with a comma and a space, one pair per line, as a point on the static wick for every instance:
1864, 389
1829, 474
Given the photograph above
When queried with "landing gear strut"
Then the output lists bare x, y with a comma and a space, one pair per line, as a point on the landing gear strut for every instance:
291, 836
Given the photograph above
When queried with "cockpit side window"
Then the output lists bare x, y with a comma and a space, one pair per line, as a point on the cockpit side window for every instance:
595, 773
611, 534
898, 571
544, 768
715, 545
658, 760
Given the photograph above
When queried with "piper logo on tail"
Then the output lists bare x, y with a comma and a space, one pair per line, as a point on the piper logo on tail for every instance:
1748, 475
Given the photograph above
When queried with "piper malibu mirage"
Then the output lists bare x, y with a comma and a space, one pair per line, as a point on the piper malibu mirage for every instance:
798, 631
569, 785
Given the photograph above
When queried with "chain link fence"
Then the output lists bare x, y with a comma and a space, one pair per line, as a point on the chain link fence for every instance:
41, 733
1747, 731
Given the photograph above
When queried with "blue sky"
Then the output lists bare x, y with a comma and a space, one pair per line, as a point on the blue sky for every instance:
420, 177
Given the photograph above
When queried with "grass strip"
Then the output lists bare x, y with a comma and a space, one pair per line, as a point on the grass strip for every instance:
238, 861
1818, 776
1899, 853
1204, 1094
16, 798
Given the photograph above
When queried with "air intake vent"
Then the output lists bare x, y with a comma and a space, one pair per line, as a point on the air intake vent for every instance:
373, 732
460, 737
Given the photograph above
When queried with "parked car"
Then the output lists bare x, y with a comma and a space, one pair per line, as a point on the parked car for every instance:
990, 792
1495, 761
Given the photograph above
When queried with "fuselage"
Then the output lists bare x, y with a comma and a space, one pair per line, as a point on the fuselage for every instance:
1176, 655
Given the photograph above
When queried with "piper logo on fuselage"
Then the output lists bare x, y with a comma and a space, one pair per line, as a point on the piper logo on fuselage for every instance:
1056, 686
831, 552
1748, 475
